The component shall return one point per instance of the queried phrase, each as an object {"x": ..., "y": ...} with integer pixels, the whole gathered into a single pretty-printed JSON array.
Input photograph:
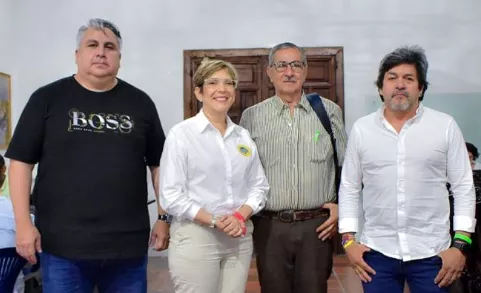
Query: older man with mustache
[
  {"x": 292, "y": 235},
  {"x": 401, "y": 157}
]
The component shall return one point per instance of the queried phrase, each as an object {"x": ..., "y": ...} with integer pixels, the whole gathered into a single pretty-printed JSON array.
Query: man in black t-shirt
[{"x": 93, "y": 137}]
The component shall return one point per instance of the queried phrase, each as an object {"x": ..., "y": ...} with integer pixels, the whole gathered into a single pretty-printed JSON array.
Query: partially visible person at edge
[
  {"x": 401, "y": 158},
  {"x": 292, "y": 235},
  {"x": 4, "y": 186},
  {"x": 473, "y": 156},
  {"x": 93, "y": 136},
  {"x": 212, "y": 182}
]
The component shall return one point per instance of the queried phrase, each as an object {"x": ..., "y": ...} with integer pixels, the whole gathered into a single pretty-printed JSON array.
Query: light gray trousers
[{"x": 206, "y": 260}]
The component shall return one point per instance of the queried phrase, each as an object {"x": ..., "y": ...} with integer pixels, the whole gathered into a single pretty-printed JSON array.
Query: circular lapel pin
[{"x": 244, "y": 150}]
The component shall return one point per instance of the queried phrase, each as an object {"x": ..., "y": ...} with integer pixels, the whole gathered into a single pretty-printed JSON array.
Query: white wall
[
  {"x": 6, "y": 19},
  {"x": 6, "y": 60},
  {"x": 155, "y": 34},
  {"x": 6, "y": 9}
]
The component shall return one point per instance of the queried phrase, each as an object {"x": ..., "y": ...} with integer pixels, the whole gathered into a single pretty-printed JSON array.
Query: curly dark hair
[
  {"x": 413, "y": 55},
  {"x": 473, "y": 150}
]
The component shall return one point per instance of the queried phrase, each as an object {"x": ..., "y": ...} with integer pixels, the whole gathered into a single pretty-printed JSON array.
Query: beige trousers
[{"x": 206, "y": 260}]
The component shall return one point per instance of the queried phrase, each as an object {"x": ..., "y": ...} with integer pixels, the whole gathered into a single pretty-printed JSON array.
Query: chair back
[{"x": 11, "y": 263}]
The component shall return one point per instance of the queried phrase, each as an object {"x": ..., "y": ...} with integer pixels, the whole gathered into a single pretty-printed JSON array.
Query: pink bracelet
[{"x": 243, "y": 221}]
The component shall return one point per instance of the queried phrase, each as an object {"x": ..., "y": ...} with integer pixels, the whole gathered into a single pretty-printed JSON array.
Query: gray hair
[
  {"x": 286, "y": 45},
  {"x": 99, "y": 24},
  {"x": 413, "y": 55}
]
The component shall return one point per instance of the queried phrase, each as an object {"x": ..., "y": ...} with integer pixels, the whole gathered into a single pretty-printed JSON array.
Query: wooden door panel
[
  {"x": 319, "y": 70},
  {"x": 249, "y": 74},
  {"x": 244, "y": 99},
  {"x": 323, "y": 92}
]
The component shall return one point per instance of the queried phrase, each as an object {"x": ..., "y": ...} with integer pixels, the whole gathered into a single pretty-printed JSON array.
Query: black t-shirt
[{"x": 92, "y": 150}]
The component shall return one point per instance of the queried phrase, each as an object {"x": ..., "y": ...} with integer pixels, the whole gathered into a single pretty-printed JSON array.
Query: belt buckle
[{"x": 287, "y": 216}]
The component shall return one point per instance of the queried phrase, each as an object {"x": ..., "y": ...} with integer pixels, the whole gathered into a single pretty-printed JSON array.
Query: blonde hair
[{"x": 208, "y": 67}]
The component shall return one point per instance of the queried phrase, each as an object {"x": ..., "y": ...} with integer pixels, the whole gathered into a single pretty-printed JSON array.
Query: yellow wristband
[{"x": 349, "y": 243}]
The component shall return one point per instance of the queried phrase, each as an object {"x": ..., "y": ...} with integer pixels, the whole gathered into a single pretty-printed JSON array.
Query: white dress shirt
[
  {"x": 201, "y": 169},
  {"x": 405, "y": 199}
]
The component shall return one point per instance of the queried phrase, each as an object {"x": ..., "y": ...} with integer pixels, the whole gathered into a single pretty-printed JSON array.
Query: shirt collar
[
  {"x": 303, "y": 103},
  {"x": 203, "y": 123}
]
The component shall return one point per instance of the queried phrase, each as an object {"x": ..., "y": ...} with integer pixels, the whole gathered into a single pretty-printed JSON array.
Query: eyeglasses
[
  {"x": 215, "y": 82},
  {"x": 296, "y": 66}
]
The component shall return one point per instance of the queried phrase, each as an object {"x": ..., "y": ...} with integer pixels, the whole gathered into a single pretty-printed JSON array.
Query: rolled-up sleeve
[
  {"x": 460, "y": 177},
  {"x": 173, "y": 180},
  {"x": 257, "y": 184},
  {"x": 351, "y": 185}
]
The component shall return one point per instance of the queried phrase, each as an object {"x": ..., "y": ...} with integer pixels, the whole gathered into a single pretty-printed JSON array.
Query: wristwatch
[
  {"x": 166, "y": 218},
  {"x": 212, "y": 222},
  {"x": 463, "y": 246}
]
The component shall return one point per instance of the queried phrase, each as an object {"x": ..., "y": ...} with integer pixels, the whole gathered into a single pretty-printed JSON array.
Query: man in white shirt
[{"x": 400, "y": 159}]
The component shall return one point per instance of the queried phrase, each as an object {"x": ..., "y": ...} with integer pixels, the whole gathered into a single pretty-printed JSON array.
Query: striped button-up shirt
[{"x": 296, "y": 151}]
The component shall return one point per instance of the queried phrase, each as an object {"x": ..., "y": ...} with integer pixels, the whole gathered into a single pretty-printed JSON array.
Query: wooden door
[{"x": 324, "y": 76}]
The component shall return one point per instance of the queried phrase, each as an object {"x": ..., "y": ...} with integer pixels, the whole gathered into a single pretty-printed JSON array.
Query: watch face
[{"x": 166, "y": 218}]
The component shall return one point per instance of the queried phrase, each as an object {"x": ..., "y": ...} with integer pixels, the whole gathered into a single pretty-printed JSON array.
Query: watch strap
[
  {"x": 166, "y": 218},
  {"x": 463, "y": 246}
]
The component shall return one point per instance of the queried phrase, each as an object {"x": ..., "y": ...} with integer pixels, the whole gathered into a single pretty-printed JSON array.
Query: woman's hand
[{"x": 232, "y": 226}]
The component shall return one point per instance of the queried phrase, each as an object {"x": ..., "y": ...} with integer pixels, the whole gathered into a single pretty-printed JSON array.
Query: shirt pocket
[{"x": 320, "y": 150}]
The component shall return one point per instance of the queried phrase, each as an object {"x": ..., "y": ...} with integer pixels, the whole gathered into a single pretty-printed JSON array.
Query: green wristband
[{"x": 463, "y": 237}]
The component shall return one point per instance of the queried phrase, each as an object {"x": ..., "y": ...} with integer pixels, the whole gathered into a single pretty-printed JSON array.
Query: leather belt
[{"x": 294, "y": 215}]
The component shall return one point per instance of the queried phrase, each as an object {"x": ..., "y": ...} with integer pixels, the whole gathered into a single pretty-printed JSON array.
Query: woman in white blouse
[{"x": 212, "y": 182}]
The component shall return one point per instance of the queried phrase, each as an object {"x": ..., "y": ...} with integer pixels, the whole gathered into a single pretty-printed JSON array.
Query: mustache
[
  {"x": 401, "y": 93},
  {"x": 289, "y": 78}
]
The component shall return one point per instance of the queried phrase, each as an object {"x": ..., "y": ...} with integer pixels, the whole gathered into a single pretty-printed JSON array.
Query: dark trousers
[
  {"x": 290, "y": 257},
  {"x": 61, "y": 275},
  {"x": 391, "y": 274}
]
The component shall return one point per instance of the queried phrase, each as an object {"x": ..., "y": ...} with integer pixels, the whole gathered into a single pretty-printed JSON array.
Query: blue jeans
[
  {"x": 391, "y": 274},
  {"x": 61, "y": 275}
]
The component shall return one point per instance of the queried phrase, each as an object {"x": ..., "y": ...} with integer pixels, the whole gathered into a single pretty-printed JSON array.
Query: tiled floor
[{"x": 343, "y": 279}]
